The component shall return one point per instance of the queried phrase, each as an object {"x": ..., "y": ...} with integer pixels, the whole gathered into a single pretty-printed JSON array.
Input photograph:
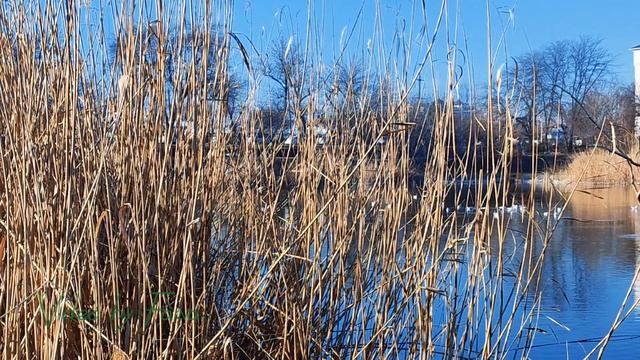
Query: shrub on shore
[{"x": 599, "y": 167}]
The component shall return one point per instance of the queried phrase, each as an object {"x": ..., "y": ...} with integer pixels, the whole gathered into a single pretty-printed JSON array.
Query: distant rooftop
[{"x": 637, "y": 47}]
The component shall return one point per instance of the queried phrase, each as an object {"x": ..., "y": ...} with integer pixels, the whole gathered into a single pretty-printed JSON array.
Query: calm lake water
[{"x": 588, "y": 269}]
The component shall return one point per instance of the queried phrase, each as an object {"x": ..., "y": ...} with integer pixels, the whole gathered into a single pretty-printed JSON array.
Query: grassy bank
[{"x": 599, "y": 167}]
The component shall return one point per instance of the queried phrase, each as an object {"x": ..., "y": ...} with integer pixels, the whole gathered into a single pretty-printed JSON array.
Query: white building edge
[{"x": 636, "y": 66}]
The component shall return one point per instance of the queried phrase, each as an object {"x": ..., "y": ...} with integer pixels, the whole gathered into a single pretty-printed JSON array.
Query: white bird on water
[
  {"x": 515, "y": 208},
  {"x": 557, "y": 213},
  {"x": 635, "y": 208}
]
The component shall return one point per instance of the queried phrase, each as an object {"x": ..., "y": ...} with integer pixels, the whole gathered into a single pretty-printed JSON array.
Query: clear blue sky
[
  {"x": 528, "y": 24},
  {"x": 518, "y": 26}
]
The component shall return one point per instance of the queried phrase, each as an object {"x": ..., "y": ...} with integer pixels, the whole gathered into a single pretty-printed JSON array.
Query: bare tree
[
  {"x": 286, "y": 66},
  {"x": 626, "y": 108},
  {"x": 524, "y": 75},
  {"x": 615, "y": 106},
  {"x": 349, "y": 97},
  {"x": 182, "y": 62},
  {"x": 554, "y": 83},
  {"x": 554, "y": 73},
  {"x": 589, "y": 64}
]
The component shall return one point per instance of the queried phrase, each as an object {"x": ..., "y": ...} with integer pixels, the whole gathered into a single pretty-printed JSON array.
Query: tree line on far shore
[{"x": 567, "y": 87}]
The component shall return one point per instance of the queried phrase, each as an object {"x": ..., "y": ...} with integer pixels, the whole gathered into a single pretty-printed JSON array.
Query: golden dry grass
[{"x": 599, "y": 167}]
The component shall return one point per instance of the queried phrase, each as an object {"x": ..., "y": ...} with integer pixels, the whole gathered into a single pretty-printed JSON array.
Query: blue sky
[
  {"x": 526, "y": 25},
  {"x": 518, "y": 26}
]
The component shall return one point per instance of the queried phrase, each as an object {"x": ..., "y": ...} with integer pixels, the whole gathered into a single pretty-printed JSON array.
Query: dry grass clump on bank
[{"x": 599, "y": 167}]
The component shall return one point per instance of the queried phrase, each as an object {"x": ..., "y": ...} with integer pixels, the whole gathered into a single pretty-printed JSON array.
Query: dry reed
[
  {"x": 134, "y": 224},
  {"x": 598, "y": 167}
]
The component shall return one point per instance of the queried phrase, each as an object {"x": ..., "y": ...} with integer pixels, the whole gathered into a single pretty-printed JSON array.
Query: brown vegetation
[
  {"x": 599, "y": 167},
  {"x": 139, "y": 224}
]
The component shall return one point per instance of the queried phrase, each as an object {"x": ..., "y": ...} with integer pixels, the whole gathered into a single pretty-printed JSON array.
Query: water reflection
[{"x": 589, "y": 265}]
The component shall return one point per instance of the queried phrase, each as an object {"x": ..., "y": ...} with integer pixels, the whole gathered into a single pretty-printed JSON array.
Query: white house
[{"x": 636, "y": 66}]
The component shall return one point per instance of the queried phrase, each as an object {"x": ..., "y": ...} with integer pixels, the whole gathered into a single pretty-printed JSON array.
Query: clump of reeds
[
  {"x": 140, "y": 217},
  {"x": 598, "y": 167}
]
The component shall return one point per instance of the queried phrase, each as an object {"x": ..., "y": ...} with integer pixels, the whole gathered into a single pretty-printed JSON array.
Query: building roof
[{"x": 637, "y": 47}]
